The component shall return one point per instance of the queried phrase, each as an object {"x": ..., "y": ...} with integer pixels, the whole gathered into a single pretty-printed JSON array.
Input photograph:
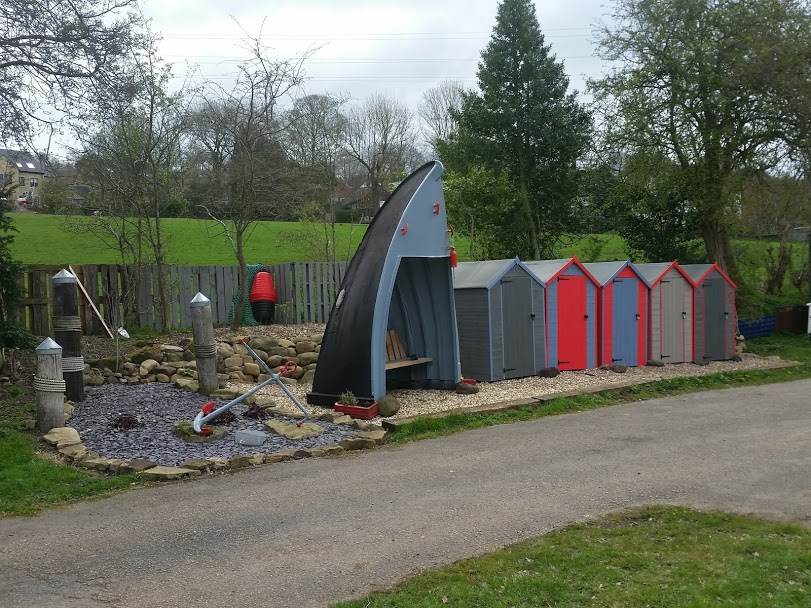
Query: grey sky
[{"x": 398, "y": 48}]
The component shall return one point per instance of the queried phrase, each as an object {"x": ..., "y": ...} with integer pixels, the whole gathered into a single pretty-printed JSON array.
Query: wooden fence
[{"x": 305, "y": 292}]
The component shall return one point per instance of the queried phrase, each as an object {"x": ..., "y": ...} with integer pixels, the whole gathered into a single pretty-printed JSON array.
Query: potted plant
[{"x": 349, "y": 404}]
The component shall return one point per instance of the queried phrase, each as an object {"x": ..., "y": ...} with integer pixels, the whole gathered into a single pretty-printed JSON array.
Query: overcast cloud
[{"x": 398, "y": 48}]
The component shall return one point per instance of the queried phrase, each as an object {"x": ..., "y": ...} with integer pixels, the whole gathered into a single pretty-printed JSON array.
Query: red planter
[{"x": 364, "y": 412}]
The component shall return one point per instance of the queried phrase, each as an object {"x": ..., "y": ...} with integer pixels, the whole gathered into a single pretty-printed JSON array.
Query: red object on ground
[
  {"x": 469, "y": 381},
  {"x": 263, "y": 288},
  {"x": 208, "y": 408},
  {"x": 358, "y": 411},
  {"x": 454, "y": 258}
]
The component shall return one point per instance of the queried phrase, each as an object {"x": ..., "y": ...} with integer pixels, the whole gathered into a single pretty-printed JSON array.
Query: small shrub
[{"x": 348, "y": 398}]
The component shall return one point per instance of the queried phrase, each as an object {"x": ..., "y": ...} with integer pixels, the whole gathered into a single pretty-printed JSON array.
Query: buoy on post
[{"x": 263, "y": 298}]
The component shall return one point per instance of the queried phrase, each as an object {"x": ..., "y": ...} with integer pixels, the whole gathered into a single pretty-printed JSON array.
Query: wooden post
[
  {"x": 205, "y": 349},
  {"x": 68, "y": 332},
  {"x": 50, "y": 386}
]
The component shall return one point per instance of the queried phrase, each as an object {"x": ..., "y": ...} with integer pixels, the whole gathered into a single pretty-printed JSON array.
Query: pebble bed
[{"x": 159, "y": 407}]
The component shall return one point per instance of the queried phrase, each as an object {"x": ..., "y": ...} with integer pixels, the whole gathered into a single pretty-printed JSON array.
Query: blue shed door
[
  {"x": 715, "y": 319},
  {"x": 625, "y": 345}
]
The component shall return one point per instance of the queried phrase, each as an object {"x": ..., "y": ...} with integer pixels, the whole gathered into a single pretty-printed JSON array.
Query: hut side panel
[
  {"x": 539, "y": 326},
  {"x": 552, "y": 323},
  {"x": 497, "y": 335},
  {"x": 700, "y": 323},
  {"x": 472, "y": 317}
]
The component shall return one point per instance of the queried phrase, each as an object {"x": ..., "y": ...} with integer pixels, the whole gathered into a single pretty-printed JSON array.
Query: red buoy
[
  {"x": 263, "y": 297},
  {"x": 454, "y": 258}
]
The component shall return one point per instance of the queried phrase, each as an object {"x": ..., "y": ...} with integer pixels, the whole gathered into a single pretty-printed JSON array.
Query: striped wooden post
[
  {"x": 205, "y": 349},
  {"x": 68, "y": 332},
  {"x": 49, "y": 386}
]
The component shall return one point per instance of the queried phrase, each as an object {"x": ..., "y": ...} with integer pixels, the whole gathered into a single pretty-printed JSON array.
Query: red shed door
[{"x": 572, "y": 320}]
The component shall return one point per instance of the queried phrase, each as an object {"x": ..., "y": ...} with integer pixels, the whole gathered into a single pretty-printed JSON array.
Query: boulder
[
  {"x": 185, "y": 431},
  {"x": 737, "y": 358},
  {"x": 252, "y": 369},
  {"x": 388, "y": 406},
  {"x": 197, "y": 464},
  {"x": 147, "y": 367},
  {"x": 291, "y": 431},
  {"x": 62, "y": 436},
  {"x": 307, "y": 358},
  {"x": 655, "y": 363},
  {"x": 274, "y": 360},
  {"x": 317, "y": 338},
  {"x": 137, "y": 465},
  {"x": 618, "y": 369},
  {"x": 263, "y": 343},
  {"x": 173, "y": 357},
  {"x": 235, "y": 361},
  {"x": 701, "y": 362},
  {"x": 305, "y": 346},
  {"x": 162, "y": 378},
  {"x": 548, "y": 372},
  {"x": 308, "y": 377},
  {"x": 75, "y": 452},
  {"x": 378, "y": 436},
  {"x": 286, "y": 343},
  {"x": 278, "y": 350},
  {"x": 226, "y": 394},
  {"x": 161, "y": 472},
  {"x": 358, "y": 443},
  {"x": 242, "y": 461},
  {"x": 225, "y": 350},
  {"x": 169, "y": 348},
  {"x": 147, "y": 352},
  {"x": 463, "y": 388},
  {"x": 188, "y": 384}
]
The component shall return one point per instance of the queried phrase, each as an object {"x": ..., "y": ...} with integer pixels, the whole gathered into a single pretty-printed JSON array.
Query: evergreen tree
[{"x": 522, "y": 122}]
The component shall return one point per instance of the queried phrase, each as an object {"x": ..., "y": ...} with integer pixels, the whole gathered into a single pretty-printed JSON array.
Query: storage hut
[
  {"x": 623, "y": 313},
  {"x": 500, "y": 318},
  {"x": 671, "y": 312},
  {"x": 714, "y": 313},
  {"x": 393, "y": 322},
  {"x": 571, "y": 313}
]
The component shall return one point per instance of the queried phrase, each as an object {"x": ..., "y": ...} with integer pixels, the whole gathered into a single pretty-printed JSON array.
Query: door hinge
[
  {"x": 532, "y": 315},
  {"x": 508, "y": 369},
  {"x": 616, "y": 359}
]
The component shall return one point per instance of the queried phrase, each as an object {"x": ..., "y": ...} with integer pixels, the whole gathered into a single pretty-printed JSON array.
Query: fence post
[
  {"x": 68, "y": 332},
  {"x": 50, "y": 386},
  {"x": 205, "y": 349}
]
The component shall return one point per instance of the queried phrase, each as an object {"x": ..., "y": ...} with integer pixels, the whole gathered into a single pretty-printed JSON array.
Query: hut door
[
  {"x": 714, "y": 322},
  {"x": 625, "y": 325},
  {"x": 572, "y": 321},
  {"x": 519, "y": 353},
  {"x": 673, "y": 321}
]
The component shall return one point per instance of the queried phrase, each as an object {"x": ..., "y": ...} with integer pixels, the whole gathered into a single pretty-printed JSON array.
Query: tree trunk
[
  {"x": 243, "y": 280},
  {"x": 719, "y": 246}
]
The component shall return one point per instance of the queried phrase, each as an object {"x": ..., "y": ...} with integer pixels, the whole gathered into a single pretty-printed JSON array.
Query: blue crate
[{"x": 757, "y": 328}]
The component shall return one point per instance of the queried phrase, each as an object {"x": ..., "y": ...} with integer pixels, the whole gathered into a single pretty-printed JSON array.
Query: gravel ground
[{"x": 159, "y": 407}]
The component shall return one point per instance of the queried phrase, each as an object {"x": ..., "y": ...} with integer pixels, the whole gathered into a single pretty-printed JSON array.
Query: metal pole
[
  {"x": 68, "y": 332},
  {"x": 205, "y": 349},
  {"x": 49, "y": 386}
]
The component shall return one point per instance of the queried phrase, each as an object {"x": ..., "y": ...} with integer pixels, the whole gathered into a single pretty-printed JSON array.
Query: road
[{"x": 312, "y": 532}]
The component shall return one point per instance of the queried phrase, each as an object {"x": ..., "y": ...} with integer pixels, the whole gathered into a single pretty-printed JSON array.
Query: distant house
[{"x": 25, "y": 172}]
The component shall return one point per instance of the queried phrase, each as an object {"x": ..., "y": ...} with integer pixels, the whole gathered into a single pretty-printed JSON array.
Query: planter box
[
  {"x": 791, "y": 319},
  {"x": 364, "y": 412}
]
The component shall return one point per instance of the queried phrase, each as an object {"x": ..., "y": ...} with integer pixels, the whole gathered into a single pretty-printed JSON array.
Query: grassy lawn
[
  {"x": 29, "y": 480},
  {"x": 654, "y": 556},
  {"x": 787, "y": 346}
]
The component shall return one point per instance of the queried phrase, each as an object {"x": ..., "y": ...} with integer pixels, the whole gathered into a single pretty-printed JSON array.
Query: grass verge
[
  {"x": 653, "y": 556},
  {"x": 790, "y": 347}
]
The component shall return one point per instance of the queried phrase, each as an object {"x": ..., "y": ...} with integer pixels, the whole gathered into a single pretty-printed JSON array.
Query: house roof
[
  {"x": 483, "y": 275},
  {"x": 697, "y": 272},
  {"x": 23, "y": 160},
  {"x": 605, "y": 272},
  {"x": 656, "y": 270}
]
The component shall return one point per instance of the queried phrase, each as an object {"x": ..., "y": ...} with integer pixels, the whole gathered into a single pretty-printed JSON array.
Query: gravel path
[{"x": 159, "y": 407}]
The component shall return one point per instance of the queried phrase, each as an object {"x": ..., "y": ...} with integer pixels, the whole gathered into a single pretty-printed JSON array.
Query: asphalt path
[{"x": 312, "y": 532}]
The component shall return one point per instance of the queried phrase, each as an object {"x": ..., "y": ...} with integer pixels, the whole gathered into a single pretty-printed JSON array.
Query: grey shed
[
  {"x": 715, "y": 323},
  {"x": 500, "y": 312}
]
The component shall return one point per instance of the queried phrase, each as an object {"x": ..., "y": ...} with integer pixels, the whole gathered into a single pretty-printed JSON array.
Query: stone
[
  {"x": 130, "y": 368},
  {"x": 74, "y": 453},
  {"x": 238, "y": 375},
  {"x": 225, "y": 350},
  {"x": 95, "y": 464},
  {"x": 308, "y": 377},
  {"x": 115, "y": 465},
  {"x": 162, "y": 378},
  {"x": 343, "y": 419},
  {"x": 285, "y": 410},
  {"x": 161, "y": 472},
  {"x": 737, "y": 358},
  {"x": 169, "y": 348},
  {"x": 94, "y": 379},
  {"x": 250, "y": 437},
  {"x": 136, "y": 465},
  {"x": 185, "y": 342},
  {"x": 700, "y": 362},
  {"x": 306, "y": 358},
  {"x": 261, "y": 354},
  {"x": 252, "y": 369},
  {"x": 277, "y": 457},
  {"x": 147, "y": 367},
  {"x": 618, "y": 369},
  {"x": 655, "y": 363},
  {"x": 378, "y": 436},
  {"x": 67, "y": 409},
  {"x": 317, "y": 338},
  {"x": 286, "y": 343},
  {"x": 327, "y": 450},
  {"x": 242, "y": 461},
  {"x": 291, "y": 351},
  {"x": 305, "y": 346},
  {"x": 363, "y": 425},
  {"x": 197, "y": 464},
  {"x": 295, "y": 454},
  {"x": 62, "y": 436},
  {"x": 188, "y": 384},
  {"x": 548, "y": 372},
  {"x": 292, "y": 431},
  {"x": 288, "y": 381},
  {"x": 298, "y": 373},
  {"x": 388, "y": 405},
  {"x": 226, "y": 394},
  {"x": 274, "y": 360},
  {"x": 167, "y": 370},
  {"x": 185, "y": 430},
  {"x": 173, "y": 357},
  {"x": 278, "y": 350},
  {"x": 357, "y": 443},
  {"x": 326, "y": 415},
  {"x": 235, "y": 361},
  {"x": 264, "y": 402},
  {"x": 463, "y": 388},
  {"x": 263, "y": 343},
  {"x": 147, "y": 352},
  {"x": 262, "y": 378},
  {"x": 188, "y": 355}
]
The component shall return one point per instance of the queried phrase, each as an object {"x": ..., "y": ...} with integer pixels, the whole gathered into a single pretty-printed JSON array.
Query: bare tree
[
  {"x": 53, "y": 52},
  {"x": 244, "y": 130},
  {"x": 436, "y": 111},
  {"x": 381, "y": 139}
]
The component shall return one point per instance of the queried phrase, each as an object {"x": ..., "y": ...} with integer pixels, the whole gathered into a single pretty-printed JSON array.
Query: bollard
[
  {"x": 68, "y": 332},
  {"x": 205, "y": 349},
  {"x": 50, "y": 386}
]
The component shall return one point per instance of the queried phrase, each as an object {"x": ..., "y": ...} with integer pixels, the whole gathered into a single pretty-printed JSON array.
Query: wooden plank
[
  {"x": 218, "y": 291},
  {"x": 185, "y": 278},
  {"x": 230, "y": 281},
  {"x": 281, "y": 276},
  {"x": 174, "y": 296},
  {"x": 407, "y": 363},
  {"x": 89, "y": 299},
  {"x": 317, "y": 294},
  {"x": 296, "y": 280},
  {"x": 145, "y": 318},
  {"x": 39, "y": 306}
]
